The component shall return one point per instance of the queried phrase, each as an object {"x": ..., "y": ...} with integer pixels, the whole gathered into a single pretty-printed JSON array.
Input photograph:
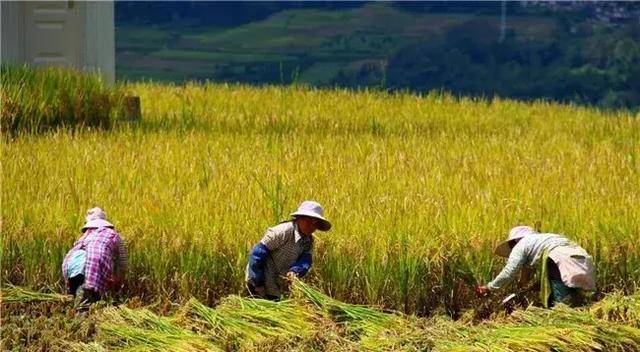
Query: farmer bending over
[
  {"x": 569, "y": 267},
  {"x": 285, "y": 250},
  {"x": 97, "y": 260}
]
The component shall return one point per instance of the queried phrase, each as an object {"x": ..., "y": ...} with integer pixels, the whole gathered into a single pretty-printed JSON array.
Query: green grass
[
  {"x": 141, "y": 38},
  {"x": 219, "y": 56},
  {"x": 304, "y": 37},
  {"x": 320, "y": 73},
  {"x": 36, "y": 100}
]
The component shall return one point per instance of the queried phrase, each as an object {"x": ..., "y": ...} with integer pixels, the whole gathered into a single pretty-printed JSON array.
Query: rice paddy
[{"x": 419, "y": 189}]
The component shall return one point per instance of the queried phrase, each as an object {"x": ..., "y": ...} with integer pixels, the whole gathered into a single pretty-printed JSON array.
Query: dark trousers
[
  {"x": 76, "y": 288},
  {"x": 75, "y": 283},
  {"x": 559, "y": 291},
  {"x": 252, "y": 291}
]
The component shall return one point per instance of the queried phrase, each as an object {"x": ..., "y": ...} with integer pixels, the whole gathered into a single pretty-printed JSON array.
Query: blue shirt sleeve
[
  {"x": 258, "y": 256},
  {"x": 302, "y": 265}
]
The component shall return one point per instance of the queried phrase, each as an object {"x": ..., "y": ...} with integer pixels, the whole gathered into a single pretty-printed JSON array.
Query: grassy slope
[
  {"x": 329, "y": 39},
  {"x": 419, "y": 189}
]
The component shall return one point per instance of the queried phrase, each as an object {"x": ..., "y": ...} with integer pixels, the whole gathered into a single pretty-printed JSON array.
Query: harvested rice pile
[
  {"x": 311, "y": 320},
  {"x": 11, "y": 294}
]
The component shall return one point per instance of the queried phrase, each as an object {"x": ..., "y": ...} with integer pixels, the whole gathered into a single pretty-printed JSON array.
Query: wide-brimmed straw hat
[
  {"x": 95, "y": 218},
  {"x": 314, "y": 210},
  {"x": 503, "y": 249}
]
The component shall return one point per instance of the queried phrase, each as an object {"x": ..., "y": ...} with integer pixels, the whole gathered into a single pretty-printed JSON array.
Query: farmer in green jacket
[{"x": 569, "y": 268}]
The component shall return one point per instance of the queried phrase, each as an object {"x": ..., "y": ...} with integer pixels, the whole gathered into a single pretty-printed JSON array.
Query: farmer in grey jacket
[
  {"x": 284, "y": 251},
  {"x": 569, "y": 267}
]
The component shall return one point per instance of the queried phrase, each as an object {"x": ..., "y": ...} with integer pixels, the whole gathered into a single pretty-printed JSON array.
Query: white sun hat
[
  {"x": 313, "y": 210},
  {"x": 516, "y": 233},
  {"x": 95, "y": 218}
]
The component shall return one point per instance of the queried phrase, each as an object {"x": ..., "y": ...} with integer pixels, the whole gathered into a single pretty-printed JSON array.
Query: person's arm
[
  {"x": 510, "y": 271},
  {"x": 65, "y": 266},
  {"x": 271, "y": 241},
  {"x": 122, "y": 258},
  {"x": 257, "y": 259},
  {"x": 302, "y": 265}
]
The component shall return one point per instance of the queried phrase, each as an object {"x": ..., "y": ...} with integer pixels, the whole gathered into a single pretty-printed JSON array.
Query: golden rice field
[{"x": 419, "y": 188}]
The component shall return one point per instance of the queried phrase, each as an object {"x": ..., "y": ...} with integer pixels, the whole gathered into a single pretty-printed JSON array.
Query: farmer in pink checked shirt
[{"x": 98, "y": 260}]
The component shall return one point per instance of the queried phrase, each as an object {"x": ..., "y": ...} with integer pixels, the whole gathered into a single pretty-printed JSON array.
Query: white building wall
[
  {"x": 62, "y": 33},
  {"x": 54, "y": 32},
  {"x": 12, "y": 32}
]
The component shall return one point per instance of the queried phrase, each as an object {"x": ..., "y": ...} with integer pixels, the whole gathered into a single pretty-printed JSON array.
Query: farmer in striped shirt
[
  {"x": 569, "y": 268},
  {"x": 284, "y": 251},
  {"x": 98, "y": 260}
]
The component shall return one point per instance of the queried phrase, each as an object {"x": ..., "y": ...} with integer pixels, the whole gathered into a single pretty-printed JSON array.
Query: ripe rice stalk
[
  {"x": 141, "y": 329},
  {"x": 253, "y": 319},
  {"x": 341, "y": 310},
  {"x": 417, "y": 209},
  {"x": 130, "y": 338},
  {"x": 141, "y": 317},
  {"x": 11, "y": 293},
  {"x": 362, "y": 321},
  {"x": 617, "y": 307},
  {"x": 39, "y": 99},
  {"x": 246, "y": 324},
  {"x": 518, "y": 338},
  {"x": 613, "y": 336},
  {"x": 538, "y": 329},
  {"x": 275, "y": 196},
  {"x": 86, "y": 347}
]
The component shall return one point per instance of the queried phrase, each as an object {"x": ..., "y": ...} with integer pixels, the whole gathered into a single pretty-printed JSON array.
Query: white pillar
[
  {"x": 100, "y": 39},
  {"x": 12, "y": 32}
]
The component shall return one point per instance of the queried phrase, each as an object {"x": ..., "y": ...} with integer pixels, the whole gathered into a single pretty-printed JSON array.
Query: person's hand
[
  {"x": 114, "y": 283},
  {"x": 291, "y": 276},
  {"x": 482, "y": 290}
]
